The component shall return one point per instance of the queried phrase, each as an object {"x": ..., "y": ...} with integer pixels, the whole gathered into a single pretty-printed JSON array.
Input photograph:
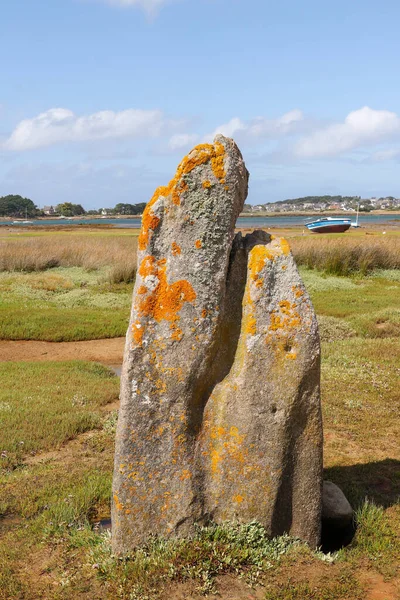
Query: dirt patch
[
  {"x": 379, "y": 589},
  {"x": 228, "y": 586},
  {"x": 106, "y": 351}
]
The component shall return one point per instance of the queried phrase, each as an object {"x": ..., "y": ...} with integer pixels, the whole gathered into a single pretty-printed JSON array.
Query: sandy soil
[{"x": 108, "y": 351}]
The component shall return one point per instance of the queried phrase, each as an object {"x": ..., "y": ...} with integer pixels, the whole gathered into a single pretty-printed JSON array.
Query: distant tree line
[{"x": 16, "y": 206}]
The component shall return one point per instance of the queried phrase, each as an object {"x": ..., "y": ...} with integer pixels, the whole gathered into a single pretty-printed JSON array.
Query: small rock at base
[{"x": 335, "y": 506}]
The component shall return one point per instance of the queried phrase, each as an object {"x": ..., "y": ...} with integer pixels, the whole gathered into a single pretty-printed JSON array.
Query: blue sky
[{"x": 100, "y": 99}]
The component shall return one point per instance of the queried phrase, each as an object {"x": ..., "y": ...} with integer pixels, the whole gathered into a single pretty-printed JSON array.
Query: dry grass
[
  {"x": 46, "y": 252},
  {"x": 335, "y": 254},
  {"x": 345, "y": 255}
]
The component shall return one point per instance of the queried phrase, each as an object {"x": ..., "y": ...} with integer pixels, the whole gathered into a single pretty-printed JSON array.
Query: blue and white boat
[{"x": 329, "y": 225}]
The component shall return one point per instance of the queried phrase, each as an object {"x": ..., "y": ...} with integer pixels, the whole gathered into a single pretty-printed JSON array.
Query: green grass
[
  {"x": 42, "y": 405},
  {"x": 361, "y": 398},
  {"x": 366, "y": 306},
  {"x": 55, "y": 485},
  {"x": 63, "y": 304}
]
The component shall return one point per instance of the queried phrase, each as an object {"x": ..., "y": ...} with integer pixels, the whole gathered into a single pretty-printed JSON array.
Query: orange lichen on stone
[
  {"x": 166, "y": 300},
  {"x": 251, "y": 325},
  {"x": 206, "y": 184},
  {"x": 176, "y": 250},
  {"x": 177, "y": 333},
  {"x": 204, "y": 313},
  {"x": 185, "y": 475},
  {"x": 118, "y": 504},
  {"x": 137, "y": 333},
  {"x": 150, "y": 222},
  {"x": 198, "y": 244},
  {"x": 178, "y": 186},
  {"x": 239, "y": 499},
  {"x": 297, "y": 292},
  {"x": 285, "y": 246},
  {"x": 257, "y": 259},
  {"x": 217, "y": 162},
  {"x": 290, "y": 318},
  {"x": 142, "y": 289}
]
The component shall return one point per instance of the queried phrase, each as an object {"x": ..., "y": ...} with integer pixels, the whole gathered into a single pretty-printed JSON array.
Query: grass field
[{"x": 57, "y": 428}]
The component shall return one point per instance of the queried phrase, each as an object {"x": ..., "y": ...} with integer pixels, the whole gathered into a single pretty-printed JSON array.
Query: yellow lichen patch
[
  {"x": 177, "y": 333},
  {"x": 204, "y": 313},
  {"x": 150, "y": 222},
  {"x": 288, "y": 319},
  {"x": 217, "y": 162},
  {"x": 198, "y": 244},
  {"x": 161, "y": 386},
  {"x": 285, "y": 246},
  {"x": 166, "y": 300},
  {"x": 206, "y": 184},
  {"x": 178, "y": 186},
  {"x": 239, "y": 499},
  {"x": 142, "y": 290},
  {"x": 225, "y": 445},
  {"x": 251, "y": 325},
  {"x": 285, "y": 307},
  {"x": 215, "y": 460},
  {"x": 297, "y": 292},
  {"x": 137, "y": 333},
  {"x": 176, "y": 250},
  {"x": 118, "y": 504},
  {"x": 185, "y": 475}
]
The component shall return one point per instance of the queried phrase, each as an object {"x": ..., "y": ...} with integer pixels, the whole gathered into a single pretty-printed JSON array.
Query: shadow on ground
[{"x": 378, "y": 481}]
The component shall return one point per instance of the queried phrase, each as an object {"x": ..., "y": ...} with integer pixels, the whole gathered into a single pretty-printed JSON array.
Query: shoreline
[{"x": 243, "y": 215}]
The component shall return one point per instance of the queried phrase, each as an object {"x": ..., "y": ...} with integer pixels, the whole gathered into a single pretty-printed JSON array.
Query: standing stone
[
  {"x": 184, "y": 246},
  {"x": 220, "y": 412},
  {"x": 261, "y": 440}
]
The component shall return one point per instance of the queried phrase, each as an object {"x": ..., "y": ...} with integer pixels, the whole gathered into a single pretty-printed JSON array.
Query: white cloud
[
  {"x": 182, "y": 140},
  {"x": 360, "y": 128},
  {"x": 260, "y": 127},
  {"x": 62, "y": 125}
]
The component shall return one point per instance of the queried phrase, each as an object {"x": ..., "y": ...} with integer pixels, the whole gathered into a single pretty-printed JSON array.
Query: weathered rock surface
[
  {"x": 336, "y": 509},
  {"x": 261, "y": 439},
  {"x": 220, "y": 413}
]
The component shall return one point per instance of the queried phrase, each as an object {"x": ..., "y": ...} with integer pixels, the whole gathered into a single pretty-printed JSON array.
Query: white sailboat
[{"x": 355, "y": 223}]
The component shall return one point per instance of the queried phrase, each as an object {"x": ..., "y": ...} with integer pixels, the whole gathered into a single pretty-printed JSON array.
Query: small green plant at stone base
[
  {"x": 213, "y": 550},
  {"x": 375, "y": 537}
]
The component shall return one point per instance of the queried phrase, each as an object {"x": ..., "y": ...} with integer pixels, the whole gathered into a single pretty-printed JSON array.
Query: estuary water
[{"x": 250, "y": 222}]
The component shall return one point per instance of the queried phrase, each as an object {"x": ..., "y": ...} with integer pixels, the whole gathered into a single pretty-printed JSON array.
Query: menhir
[{"x": 220, "y": 412}]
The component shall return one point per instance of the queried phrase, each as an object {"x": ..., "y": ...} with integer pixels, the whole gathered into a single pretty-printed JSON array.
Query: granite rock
[{"x": 220, "y": 413}]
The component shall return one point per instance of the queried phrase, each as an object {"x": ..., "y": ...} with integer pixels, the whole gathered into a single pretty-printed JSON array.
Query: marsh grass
[
  {"x": 59, "y": 497},
  {"x": 42, "y": 405},
  {"x": 44, "y": 252},
  {"x": 63, "y": 304},
  {"x": 341, "y": 255},
  {"x": 365, "y": 306},
  {"x": 49, "y": 547}
]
